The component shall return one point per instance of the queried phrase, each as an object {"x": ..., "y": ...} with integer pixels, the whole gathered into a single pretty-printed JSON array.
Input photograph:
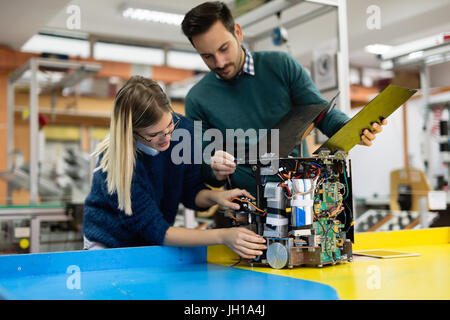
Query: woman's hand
[
  {"x": 224, "y": 198},
  {"x": 244, "y": 242}
]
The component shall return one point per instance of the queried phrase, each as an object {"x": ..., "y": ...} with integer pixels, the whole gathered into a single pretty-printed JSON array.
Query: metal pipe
[
  {"x": 10, "y": 126},
  {"x": 34, "y": 131},
  {"x": 425, "y": 89},
  {"x": 343, "y": 58}
]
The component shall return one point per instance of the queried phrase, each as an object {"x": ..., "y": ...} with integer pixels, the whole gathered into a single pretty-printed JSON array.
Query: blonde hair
[{"x": 140, "y": 103}]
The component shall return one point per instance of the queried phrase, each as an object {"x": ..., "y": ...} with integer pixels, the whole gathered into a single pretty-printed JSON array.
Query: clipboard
[
  {"x": 384, "y": 254},
  {"x": 382, "y": 106}
]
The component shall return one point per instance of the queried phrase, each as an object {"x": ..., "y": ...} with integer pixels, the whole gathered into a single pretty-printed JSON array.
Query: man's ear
[{"x": 238, "y": 32}]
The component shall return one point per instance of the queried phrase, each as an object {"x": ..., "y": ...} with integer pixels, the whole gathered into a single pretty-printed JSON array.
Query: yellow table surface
[{"x": 422, "y": 277}]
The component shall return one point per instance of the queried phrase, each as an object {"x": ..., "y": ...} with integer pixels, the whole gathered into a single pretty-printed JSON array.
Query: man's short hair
[{"x": 199, "y": 19}]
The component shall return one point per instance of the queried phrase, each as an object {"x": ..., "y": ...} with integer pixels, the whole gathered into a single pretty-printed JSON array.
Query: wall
[
  {"x": 371, "y": 166},
  {"x": 440, "y": 75}
]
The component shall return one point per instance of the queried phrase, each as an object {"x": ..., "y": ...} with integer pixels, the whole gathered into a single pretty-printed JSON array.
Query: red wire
[
  {"x": 237, "y": 219},
  {"x": 251, "y": 205}
]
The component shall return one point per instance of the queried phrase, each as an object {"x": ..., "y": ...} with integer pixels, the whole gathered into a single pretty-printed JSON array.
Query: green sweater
[{"x": 257, "y": 102}]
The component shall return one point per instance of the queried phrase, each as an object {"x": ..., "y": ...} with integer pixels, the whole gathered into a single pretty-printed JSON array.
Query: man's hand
[
  {"x": 224, "y": 198},
  {"x": 222, "y": 164},
  {"x": 368, "y": 136}
]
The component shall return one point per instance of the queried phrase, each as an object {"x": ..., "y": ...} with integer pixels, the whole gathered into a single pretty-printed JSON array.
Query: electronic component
[{"x": 303, "y": 210}]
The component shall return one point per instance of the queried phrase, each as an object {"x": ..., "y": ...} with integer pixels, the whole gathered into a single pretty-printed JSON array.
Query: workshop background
[{"x": 54, "y": 112}]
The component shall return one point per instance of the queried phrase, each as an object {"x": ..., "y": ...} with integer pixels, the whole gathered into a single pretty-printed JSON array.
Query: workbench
[
  {"x": 205, "y": 273},
  {"x": 36, "y": 214}
]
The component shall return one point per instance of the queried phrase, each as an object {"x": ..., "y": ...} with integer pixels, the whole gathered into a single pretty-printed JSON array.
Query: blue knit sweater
[{"x": 158, "y": 186}]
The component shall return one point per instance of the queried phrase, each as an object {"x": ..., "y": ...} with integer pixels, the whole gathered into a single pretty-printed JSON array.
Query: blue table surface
[{"x": 160, "y": 273}]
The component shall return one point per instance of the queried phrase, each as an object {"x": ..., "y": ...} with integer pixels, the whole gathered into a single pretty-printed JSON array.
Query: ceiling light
[
  {"x": 387, "y": 65},
  {"x": 417, "y": 46},
  {"x": 44, "y": 43},
  {"x": 128, "y": 53},
  {"x": 152, "y": 16},
  {"x": 435, "y": 59},
  {"x": 415, "y": 55},
  {"x": 185, "y": 60},
  {"x": 377, "y": 48}
]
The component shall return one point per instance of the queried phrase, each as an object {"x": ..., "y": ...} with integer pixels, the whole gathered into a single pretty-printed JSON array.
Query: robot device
[{"x": 303, "y": 210}]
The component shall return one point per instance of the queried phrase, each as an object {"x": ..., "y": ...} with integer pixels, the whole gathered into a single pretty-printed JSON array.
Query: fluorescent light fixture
[
  {"x": 387, "y": 65},
  {"x": 152, "y": 16},
  {"x": 377, "y": 48},
  {"x": 415, "y": 55},
  {"x": 428, "y": 51},
  {"x": 46, "y": 77},
  {"x": 417, "y": 45},
  {"x": 58, "y": 45},
  {"x": 127, "y": 53},
  {"x": 73, "y": 34},
  {"x": 435, "y": 59},
  {"x": 186, "y": 60}
]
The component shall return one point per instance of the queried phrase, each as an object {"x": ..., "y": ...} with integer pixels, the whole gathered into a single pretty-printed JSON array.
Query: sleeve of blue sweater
[{"x": 147, "y": 219}]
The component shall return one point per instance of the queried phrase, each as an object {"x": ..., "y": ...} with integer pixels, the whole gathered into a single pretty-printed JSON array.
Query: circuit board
[{"x": 304, "y": 212}]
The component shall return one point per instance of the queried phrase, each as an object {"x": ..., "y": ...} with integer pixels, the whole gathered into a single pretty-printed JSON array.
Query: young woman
[{"x": 137, "y": 188}]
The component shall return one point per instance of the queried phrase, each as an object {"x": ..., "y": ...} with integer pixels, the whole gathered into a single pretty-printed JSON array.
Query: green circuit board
[{"x": 329, "y": 232}]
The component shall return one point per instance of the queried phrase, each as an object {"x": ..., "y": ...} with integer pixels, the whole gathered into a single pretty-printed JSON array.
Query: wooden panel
[
  {"x": 413, "y": 177},
  {"x": 21, "y": 197},
  {"x": 84, "y": 103},
  {"x": 99, "y": 133},
  {"x": 112, "y": 68},
  {"x": 63, "y": 133},
  {"x": 360, "y": 96},
  {"x": 11, "y": 59},
  {"x": 7, "y": 58},
  {"x": 178, "y": 107},
  {"x": 85, "y": 138}
]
